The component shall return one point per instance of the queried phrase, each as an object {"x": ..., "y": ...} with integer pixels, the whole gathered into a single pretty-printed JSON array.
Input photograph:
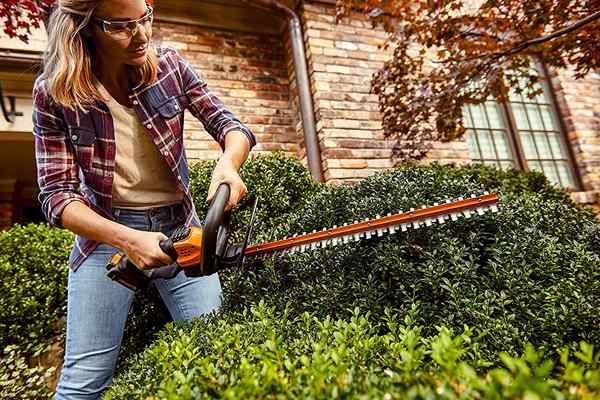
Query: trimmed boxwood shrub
[
  {"x": 530, "y": 273},
  {"x": 33, "y": 282},
  {"x": 19, "y": 380},
  {"x": 281, "y": 182},
  {"x": 261, "y": 353},
  {"x": 33, "y": 270}
]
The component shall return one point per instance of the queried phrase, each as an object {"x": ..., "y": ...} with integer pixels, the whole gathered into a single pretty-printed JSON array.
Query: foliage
[
  {"x": 19, "y": 381},
  {"x": 33, "y": 282},
  {"x": 527, "y": 274},
  {"x": 260, "y": 353},
  {"x": 280, "y": 182},
  {"x": 455, "y": 52},
  {"x": 19, "y": 16}
]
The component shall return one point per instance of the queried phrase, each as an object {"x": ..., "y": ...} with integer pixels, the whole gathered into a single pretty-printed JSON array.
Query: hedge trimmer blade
[{"x": 379, "y": 226}]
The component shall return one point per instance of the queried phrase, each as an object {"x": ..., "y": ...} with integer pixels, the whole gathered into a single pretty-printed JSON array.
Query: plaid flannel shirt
[{"x": 75, "y": 150}]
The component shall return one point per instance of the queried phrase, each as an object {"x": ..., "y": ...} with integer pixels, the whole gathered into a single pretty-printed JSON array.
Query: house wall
[
  {"x": 254, "y": 75},
  {"x": 342, "y": 58},
  {"x": 248, "y": 72}
]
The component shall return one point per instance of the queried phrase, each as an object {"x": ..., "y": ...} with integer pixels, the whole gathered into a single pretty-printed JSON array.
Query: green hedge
[
  {"x": 33, "y": 282},
  {"x": 264, "y": 354},
  {"x": 530, "y": 273},
  {"x": 281, "y": 183},
  {"x": 18, "y": 379},
  {"x": 33, "y": 271},
  {"x": 527, "y": 274}
]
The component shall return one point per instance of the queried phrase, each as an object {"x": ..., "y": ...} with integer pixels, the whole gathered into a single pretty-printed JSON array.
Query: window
[
  {"x": 524, "y": 133},
  {"x": 487, "y": 135}
]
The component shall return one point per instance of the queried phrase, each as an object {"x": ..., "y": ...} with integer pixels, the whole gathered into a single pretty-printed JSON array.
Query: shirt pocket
[
  {"x": 83, "y": 140},
  {"x": 171, "y": 113},
  {"x": 170, "y": 108},
  {"x": 166, "y": 106}
]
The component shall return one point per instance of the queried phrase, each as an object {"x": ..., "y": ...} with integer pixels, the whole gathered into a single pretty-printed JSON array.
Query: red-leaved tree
[
  {"x": 20, "y": 16},
  {"x": 448, "y": 53}
]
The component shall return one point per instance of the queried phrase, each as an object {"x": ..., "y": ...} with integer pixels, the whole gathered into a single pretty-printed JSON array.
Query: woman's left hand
[{"x": 225, "y": 171}]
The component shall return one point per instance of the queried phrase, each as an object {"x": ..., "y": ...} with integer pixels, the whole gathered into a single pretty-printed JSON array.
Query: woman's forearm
[
  {"x": 83, "y": 221},
  {"x": 237, "y": 149}
]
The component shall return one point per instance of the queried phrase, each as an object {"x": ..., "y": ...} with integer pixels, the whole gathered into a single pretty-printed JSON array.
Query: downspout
[{"x": 311, "y": 140}]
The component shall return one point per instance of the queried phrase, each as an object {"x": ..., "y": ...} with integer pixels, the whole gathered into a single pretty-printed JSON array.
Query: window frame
[{"x": 514, "y": 138}]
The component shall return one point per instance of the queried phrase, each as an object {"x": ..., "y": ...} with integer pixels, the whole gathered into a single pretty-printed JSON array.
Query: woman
[{"x": 108, "y": 119}]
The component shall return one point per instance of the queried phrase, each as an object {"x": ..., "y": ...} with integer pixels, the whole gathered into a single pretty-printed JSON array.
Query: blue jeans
[{"x": 97, "y": 307}]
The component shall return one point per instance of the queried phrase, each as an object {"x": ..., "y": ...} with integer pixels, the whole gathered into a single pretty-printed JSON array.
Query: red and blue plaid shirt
[{"x": 75, "y": 150}]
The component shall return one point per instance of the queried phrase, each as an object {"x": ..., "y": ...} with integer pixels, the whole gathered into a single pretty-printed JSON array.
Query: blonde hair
[{"x": 67, "y": 64}]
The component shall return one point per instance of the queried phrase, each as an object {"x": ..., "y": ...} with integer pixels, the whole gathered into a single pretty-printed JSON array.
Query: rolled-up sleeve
[
  {"x": 208, "y": 109},
  {"x": 57, "y": 170}
]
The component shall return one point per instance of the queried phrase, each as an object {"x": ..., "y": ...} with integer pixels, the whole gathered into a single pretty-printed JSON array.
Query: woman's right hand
[{"x": 143, "y": 249}]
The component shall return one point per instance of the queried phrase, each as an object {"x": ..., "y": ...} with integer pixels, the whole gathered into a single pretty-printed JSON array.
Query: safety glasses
[{"x": 123, "y": 30}]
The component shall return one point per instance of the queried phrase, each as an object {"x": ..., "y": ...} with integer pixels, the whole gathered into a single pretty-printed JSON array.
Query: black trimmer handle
[
  {"x": 166, "y": 245},
  {"x": 215, "y": 233}
]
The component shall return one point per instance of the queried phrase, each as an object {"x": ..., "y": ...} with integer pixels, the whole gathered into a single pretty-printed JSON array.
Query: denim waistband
[{"x": 170, "y": 212}]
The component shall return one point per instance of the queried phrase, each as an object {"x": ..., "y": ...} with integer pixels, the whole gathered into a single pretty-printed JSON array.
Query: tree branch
[{"x": 542, "y": 39}]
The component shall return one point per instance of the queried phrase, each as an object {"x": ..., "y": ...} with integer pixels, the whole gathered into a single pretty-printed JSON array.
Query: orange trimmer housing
[
  {"x": 198, "y": 251},
  {"x": 188, "y": 247}
]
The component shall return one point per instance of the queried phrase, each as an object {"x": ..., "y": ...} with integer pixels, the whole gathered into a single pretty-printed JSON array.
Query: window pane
[
  {"x": 493, "y": 113},
  {"x": 478, "y": 116},
  {"x": 548, "y": 118},
  {"x": 543, "y": 147},
  {"x": 520, "y": 116},
  {"x": 534, "y": 117},
  {"x": 502, "y": 146},
  {"x": 555, "y": 145},
  {"x": 564, "y": 172},
  {"x": 485, "y": 144},
  {"x": 550, "y": 171},
  {"x": 473, "y": 148},
  {"x": 528, "y": 145},
  {"x": 534, "y": 166}
]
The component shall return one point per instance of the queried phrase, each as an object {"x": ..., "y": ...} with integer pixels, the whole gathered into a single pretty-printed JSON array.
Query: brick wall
[
  {"x": 579, "y": 104},
  {"x": 5, "y": 215},
  {"x": 248, "y": 72},
  {"x": 342, "y": 60},
  {"x": 254, "y": 75}
]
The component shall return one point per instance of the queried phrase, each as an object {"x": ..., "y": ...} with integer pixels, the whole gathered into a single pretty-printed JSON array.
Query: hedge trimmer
[{"x": 200, "y": 251}]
